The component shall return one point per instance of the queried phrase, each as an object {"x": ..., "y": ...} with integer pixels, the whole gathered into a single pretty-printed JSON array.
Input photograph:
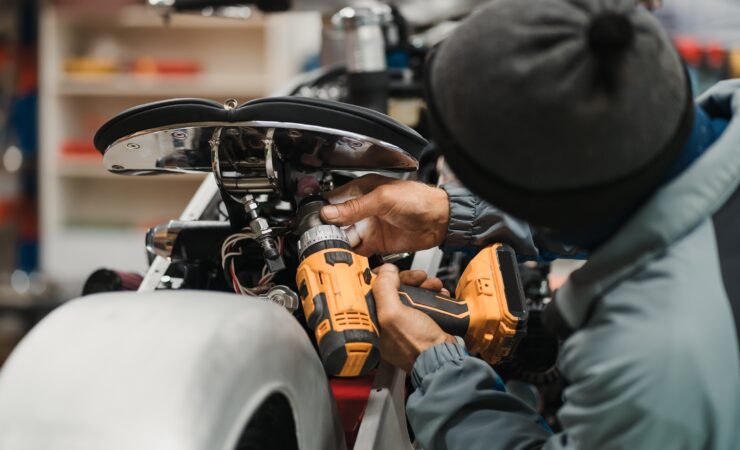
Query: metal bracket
[
  {"x": 384, "y": 422},
  {"x": 194, "y": 211}
]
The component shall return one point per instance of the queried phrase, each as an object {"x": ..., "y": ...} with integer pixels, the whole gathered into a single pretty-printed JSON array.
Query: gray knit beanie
[{"x": 566, "y": 113}]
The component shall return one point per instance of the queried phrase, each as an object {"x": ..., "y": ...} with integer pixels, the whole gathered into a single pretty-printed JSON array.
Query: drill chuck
[
  {"x": 312, "y": 240},
  {"x": 314, "y": 234}
]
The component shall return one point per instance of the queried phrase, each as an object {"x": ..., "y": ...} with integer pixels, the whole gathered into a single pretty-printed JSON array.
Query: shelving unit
[
  {"x": 142, "y": 86},
  {"x": 8, "y": 182},
  {"x": 91, "y": 218}
]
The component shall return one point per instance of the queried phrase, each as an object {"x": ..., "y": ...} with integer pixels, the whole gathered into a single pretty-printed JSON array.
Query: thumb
[
  {"x": 352, "y": 211},
  {"x": 385, "y": 292}
]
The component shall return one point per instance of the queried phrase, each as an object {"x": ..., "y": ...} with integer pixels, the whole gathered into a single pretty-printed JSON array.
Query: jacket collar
[{"x": 674, "y": 210}]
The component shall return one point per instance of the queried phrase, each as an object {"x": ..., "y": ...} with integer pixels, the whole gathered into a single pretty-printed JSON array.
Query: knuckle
[
  {"x": 353, "y": 206},
  {"x": 384, "y": 193}
]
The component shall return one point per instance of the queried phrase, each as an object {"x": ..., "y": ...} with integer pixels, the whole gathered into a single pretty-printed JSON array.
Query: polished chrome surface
[
  {"x": 364, "y": 42},
  {"x": 248, "y": 185},
  {"x": 160, "y": 240},
  {"x": 244, "y": 148},
  {"x": 360, "y": 14}
]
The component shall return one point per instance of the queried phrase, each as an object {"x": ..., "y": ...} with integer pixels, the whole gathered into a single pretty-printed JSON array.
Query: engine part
[
  {"x": 284, "y": 296},
  {"x": 264, "y": 236},
  {"x": 363, "y": 27},
  {"x": 187, "y": 240},
  {"x": 106, "y": 280}
]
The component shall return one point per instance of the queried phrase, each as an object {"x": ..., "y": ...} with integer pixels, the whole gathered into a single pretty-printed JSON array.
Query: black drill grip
[{"x": 451, "y": 315}]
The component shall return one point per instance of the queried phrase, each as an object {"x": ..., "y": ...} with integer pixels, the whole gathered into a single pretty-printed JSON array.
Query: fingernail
[{"x": 330, "y": 212}]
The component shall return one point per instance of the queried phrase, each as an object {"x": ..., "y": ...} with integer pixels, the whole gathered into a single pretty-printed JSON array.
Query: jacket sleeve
[
  {"x": 475, "y": 223},
  {"x": 629, "y": 386},
  {"x": 457, "y": 405},
  {"x": 721, "y": 100}
]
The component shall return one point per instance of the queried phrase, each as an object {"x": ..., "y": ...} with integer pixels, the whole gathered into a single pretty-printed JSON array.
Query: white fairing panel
[{"x": 163, "y": 370}]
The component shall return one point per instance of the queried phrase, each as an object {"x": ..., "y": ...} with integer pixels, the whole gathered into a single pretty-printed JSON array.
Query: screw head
[{"x": 351, "y": 142}]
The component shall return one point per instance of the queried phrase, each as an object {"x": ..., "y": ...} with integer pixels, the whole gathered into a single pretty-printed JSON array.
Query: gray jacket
[{"x": 652, "y": 355}]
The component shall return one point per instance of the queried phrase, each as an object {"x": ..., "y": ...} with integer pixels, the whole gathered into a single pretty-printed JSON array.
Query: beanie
[{"x": 565, "y": 113}]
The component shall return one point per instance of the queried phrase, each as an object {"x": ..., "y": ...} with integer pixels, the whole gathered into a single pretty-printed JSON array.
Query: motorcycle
[{"x": 212, "y": 351}]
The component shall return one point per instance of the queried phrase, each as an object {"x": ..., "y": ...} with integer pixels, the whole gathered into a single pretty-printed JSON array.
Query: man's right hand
[{"x": 386, "y": 215}]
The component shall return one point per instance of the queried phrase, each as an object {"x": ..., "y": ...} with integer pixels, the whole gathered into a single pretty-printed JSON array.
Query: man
[{"x": 576, "y": 116}]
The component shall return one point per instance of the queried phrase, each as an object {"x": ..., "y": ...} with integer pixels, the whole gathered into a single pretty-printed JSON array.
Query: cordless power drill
[{"x": 335, "y": 287}]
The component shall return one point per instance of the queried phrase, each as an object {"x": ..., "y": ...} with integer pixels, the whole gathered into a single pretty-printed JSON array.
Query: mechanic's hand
[
  {"x": 404, "y": 332},
  {"x": 388, "y": 215},
  {"x": 419, "y": 278}
]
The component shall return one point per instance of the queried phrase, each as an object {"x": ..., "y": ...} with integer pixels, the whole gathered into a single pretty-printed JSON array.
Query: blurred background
[{"x": 66, "y": 66}]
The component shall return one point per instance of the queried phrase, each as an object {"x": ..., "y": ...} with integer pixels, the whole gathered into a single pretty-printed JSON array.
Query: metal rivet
[
  {"x": 117, "y": 167},
  {"x": 294, "y": 133},
  {"x": 133, "y": 146},
  {"x": 179, "y": 134},
  {"x": 231, "y": 103}
]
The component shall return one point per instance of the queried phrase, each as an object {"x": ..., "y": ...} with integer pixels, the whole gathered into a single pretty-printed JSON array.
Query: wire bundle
[{"x": 230, "y": 250}]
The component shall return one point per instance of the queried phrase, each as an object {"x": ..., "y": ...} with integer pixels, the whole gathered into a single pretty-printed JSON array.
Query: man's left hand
[{"x": 404, "y": 332}]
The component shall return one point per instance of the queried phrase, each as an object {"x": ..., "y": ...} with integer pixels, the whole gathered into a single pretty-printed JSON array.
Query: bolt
[{"x": 259, "y": 225}]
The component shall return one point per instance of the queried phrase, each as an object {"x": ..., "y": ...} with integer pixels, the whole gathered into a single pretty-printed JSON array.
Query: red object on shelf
[
  {"x": 689, "y": 49},
  {"x": 7, "y": 210},
  {"x": 351, "y": 395},
  {"x": 79, "y": 147},
  {"x": 29, "y": 74},
  {"x": 716, "y": 55},
  {"x": 28, "y": 219},
  {"x": 160, "y": 66},
  {"x": 177, "y": 67}
]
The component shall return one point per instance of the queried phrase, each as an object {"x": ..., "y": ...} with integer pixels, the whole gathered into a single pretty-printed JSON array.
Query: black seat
[{"x": 321, "y": 113}]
